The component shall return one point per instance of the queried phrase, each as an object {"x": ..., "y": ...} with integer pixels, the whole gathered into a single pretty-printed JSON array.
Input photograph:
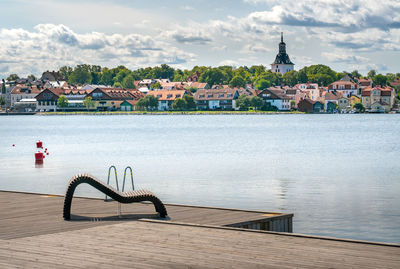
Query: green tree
[
  {"x": 149, "y": 102},
  {"x": 243, "y": 102},
  {"x": 356, "y": 74},
  {"x": 80, "y": 75},
  {"x": 379, "y": 80},
  {"x": 12, "y": 77},
  {"x": 31, "y": 76},
  {"x": 119, "y": 77},
  {"x": 213, "y": 76},
  {"x": 2, "y": 101},
  {"x": 88, "y": 102},
  {"x": 290, "y": 78},
  {"x": 192, "y": 89},
  {"x": 359, "y": 107},
  {"x": 156, "y": 85},
  {"x": 237, "y": 81},
  {"x": 128, "y": 82},
  {"x": 256, "y": 102},
  {"x": 62, "y": 102},
  {"x": 179, "y": 104},
  {"x": 66, "y": 71},
  {"x": 190, "y": 103},
  {"x": 117, "y": 85},
  {"x": 292, "y": 104},
  {"x": 371, "y": 73},
  {"x": 106, "y": 77},
  {"x": 263, "y": 84}
]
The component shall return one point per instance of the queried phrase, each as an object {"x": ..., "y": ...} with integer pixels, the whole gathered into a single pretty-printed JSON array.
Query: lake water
[{"x": 339, "y": 174}]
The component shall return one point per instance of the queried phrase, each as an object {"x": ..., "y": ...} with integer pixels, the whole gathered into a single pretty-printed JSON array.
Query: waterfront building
[
  {"x": 276, "y": 97},
  {"x": 348, "y": 88},
  {"x": 47, "y": 99},
  {"x": 107, "y": 99},
  {"x": 312, "y": 89},
  {"x": 331, "y": 100},
  {"x": 309, "y": 106},
  {"x": 167, "y": 97},
  {"x": 22, "y": 91},
  {"x": 344, "y": 104},
  {"x": 282, "y": 63},
  {"x": 378, "y": 99},
  {"x": 223, "y": 99}
]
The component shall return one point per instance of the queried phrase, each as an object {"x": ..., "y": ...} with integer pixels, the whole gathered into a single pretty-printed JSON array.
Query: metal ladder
[
  {"x": 116, "y": 182},
  {"x": 116, "y": 179}
]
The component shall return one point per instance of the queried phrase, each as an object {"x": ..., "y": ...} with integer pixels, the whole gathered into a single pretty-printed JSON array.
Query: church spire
[{"x": 282, "y": 37}]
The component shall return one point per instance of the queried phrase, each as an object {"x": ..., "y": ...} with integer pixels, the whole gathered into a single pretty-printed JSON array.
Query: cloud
[
  {"x": 189, "y": 37},
  {"x": 343, "y": 57},
  {"x": 346, "y": 16},
  {"x": 229, "y": 63},
  {"x": 50, "y": 46}
]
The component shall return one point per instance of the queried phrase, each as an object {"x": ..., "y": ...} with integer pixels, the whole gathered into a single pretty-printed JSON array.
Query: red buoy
[
  {"x": 39, "y": 156},
  {"x": 47, "y": 153},
  {"x": 13, "y": 145},
  {"x": 39, "y": 144}
]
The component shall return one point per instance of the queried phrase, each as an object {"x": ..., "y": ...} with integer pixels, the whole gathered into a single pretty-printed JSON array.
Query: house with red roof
[
  {"x": 111, "y": 98},
  {"x": 47, "y": 99},
  {"x": 223, "y": 99},
  {"x": 378, "y": 99},
  {"x": 348, "y": 88},
  {"x": 167, "y": 97}
]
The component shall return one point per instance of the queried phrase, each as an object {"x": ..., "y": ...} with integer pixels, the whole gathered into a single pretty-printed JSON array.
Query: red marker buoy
[
  {"x": 39, "y": 144},
  {"x": 39, "y": 156},
  {"x": 47, "y": 153},
  {"x": 13, "y": 145}
]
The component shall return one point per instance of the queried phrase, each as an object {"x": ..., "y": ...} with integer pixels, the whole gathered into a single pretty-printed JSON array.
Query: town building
[
  {"x": 378, "y": 99},
  {"x": 309, "y": 106},
  {"x": 107, "y": 99},
  {"x": 348, "y": 88},
  {"x": 276, "y": 97},
  {"x": 47, "y": 99},
  {"x": 223, "y": 99},
  {"x": 282, "y": 63},
  {"x": 167, "y": 97},
  {"x": 331, "y": 100},
  {"x": 23, "y": 92},
  {"x": 52, "y": 76}
]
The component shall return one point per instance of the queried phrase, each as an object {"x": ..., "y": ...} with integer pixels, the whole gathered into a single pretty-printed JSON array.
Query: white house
[{"x": 276, "y": 98}]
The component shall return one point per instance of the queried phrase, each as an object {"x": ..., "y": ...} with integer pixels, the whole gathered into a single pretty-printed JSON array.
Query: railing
[{"x": 116, "y": 182}]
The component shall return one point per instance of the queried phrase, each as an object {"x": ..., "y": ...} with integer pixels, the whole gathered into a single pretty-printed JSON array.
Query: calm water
[{"x": 339, "y": 174}]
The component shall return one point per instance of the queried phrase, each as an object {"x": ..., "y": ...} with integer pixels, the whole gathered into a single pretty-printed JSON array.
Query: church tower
[{"x": 282, "y": 63}]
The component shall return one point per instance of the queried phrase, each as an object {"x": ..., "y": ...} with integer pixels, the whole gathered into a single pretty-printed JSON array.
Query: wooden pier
[{"x": 34, "y": 235}]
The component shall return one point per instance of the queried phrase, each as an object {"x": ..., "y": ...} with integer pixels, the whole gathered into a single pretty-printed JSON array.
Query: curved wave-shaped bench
[{"x": 122, "y": 197}]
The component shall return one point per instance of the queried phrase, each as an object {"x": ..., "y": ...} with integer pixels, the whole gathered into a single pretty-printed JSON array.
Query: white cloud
[{"x": 50, "y": 46}]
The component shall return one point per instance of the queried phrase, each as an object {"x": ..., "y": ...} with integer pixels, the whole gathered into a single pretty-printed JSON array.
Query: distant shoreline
[{"x": 169, "y": 113}]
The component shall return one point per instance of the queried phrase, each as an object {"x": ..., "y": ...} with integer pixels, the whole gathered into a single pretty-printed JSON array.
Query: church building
[{"x": 282, "y": 63}]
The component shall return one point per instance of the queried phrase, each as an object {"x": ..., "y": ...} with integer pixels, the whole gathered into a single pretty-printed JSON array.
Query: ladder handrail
[
  {"x": 123, "y": 182},
  {"x": 108, "y": 179}
]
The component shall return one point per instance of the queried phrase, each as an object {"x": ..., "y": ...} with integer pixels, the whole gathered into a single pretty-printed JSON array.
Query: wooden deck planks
[
  {"x": 156, "y": 245},
  {"x": 34, "y": 235}
]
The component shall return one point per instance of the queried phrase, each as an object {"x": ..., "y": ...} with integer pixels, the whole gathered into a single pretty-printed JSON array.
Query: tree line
[{"x": 258, "y": 75}]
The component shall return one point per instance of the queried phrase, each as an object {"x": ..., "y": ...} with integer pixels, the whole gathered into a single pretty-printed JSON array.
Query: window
[
  {"x": 229, "y": 95},
  {"x": 169, "y": 95},
  {"x": 178, "y": 96},
  {"x": 210, "y": 95},
  {"x": 202, "y": 96},
  {"x": 220, "y": 95},
  {"x": 97, "y": 94},
  {"x": 159, "y": 95}
]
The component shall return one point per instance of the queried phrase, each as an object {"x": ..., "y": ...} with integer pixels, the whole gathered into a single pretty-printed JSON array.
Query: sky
[{"x": 347, "y": 35}]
